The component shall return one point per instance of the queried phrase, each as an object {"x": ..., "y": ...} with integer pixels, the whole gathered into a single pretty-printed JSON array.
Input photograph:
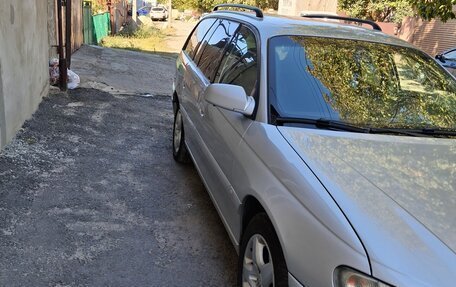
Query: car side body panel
[
  {"x": 314, "y": 234},
  {"x": 209, "y": 147}
]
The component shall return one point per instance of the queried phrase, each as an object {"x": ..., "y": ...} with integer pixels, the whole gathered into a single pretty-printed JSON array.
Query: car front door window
[
  {"x": 213, "y": 49},
  {"x": 239, "y": 64}
]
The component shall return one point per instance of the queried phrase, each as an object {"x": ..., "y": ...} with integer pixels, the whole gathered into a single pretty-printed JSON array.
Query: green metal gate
[
  {"x": 101, "y": 26},
  {"x": 96, "y": 27},
  {"x": 89, "y": 37}
]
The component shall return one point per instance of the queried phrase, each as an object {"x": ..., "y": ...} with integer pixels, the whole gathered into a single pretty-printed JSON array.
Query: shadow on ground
[{"x": 90, "y": 196}]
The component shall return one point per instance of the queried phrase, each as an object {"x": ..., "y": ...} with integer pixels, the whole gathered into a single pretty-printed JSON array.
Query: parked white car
[
  {"x": 328, "y": 149},
  {"x": 159, "y": 13}
]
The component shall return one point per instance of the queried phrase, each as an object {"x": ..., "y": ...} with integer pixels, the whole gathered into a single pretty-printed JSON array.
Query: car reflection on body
[{"x": 448, "y": 60}]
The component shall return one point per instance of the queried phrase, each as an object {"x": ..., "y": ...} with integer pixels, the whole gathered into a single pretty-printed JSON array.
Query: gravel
[{"x": 90, "y": 196}]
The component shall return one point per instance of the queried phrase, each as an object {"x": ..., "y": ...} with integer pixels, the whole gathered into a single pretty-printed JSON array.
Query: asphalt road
[{"x": 90, "y": 195}]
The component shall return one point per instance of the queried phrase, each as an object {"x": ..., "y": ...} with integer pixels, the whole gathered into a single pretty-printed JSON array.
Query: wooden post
[
  {"x": 68, "y": 30},
  {"x": 170, "y": 16},
  {"x": 133, "y": 11},
  {"x": 63, "y": 76},
  {"x": 111, "y": 11}
]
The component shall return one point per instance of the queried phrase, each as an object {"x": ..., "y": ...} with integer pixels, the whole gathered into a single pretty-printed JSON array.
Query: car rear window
[
  {"x": 197, "y": 36},
  {"x": 362, "y": 83}
]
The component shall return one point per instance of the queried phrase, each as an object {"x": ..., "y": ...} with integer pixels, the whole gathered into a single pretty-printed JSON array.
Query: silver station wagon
[{"x": 327, "y": 148}]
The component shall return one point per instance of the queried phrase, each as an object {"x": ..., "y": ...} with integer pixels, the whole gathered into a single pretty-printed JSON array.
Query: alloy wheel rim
[
  {"x": 177, "y": 131},
  {"x": 257, "y": 269}
]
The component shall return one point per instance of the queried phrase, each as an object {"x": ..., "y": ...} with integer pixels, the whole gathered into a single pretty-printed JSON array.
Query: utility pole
[
  {"x": 63, "y": 75},
  {"x": 170, "y": 16},
  {"x": 133, "y": 11},
  {"x": 68, "y": 30}
]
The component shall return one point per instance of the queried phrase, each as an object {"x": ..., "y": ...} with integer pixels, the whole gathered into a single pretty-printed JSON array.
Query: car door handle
[{"x": 201, "y": 111}]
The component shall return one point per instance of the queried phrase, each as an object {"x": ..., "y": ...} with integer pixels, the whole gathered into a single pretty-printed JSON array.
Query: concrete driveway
[{"x": 90, "y": 194}]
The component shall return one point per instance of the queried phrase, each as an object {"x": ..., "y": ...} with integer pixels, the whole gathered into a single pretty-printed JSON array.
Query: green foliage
[
  {"x": 396, "y": 10},
  {"x": 143, "y": 38},
  {"x": 430, "y": 9},
  {"x": 141, "y": 32},
  {"x": 207, "y": 5},
  {"x": 382, "y": 11},
  {"x": 99, "y": 6}
]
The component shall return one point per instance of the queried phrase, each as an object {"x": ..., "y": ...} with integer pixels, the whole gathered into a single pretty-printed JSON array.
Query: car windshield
[
  {"x": 157, "y": 9},
  {"x": 451, "y": 55},
  {"x": 360, "y": 83}
]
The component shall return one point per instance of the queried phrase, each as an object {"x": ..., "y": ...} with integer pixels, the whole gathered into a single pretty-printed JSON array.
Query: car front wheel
[
  {"x": 261, "y": 260},
  {"x": 180, "y": 152}
]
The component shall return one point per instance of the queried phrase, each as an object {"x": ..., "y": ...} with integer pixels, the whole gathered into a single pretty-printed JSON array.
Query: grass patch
[{"x": 143, "y": 39}]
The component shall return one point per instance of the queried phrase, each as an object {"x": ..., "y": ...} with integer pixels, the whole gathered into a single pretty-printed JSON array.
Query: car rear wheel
[
  {"x": 261, "y": 260},
  {"x": 180, "y": 152}
]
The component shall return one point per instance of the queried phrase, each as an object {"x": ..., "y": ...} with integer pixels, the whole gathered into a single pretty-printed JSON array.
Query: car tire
[
  {"x": 175, "y": 102},
  {"x": 259, "y": 252},
  {"x": 180, "y": 152}
]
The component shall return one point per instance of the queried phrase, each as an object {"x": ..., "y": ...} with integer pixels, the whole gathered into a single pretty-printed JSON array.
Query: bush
[{"x": 131, "y": 30}]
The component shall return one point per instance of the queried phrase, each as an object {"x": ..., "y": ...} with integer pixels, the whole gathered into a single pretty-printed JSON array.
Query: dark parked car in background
[{"x": 448, "y": 60}]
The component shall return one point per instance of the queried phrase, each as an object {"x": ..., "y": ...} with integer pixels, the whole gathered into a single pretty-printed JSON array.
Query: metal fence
[{"x": 96, "y": 27}]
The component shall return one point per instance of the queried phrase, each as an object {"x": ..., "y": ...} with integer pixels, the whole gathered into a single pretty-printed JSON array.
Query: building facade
[
  {"x": 24, "y": 54},
  {"x": 295, "y": 7},
  {"x": 433, "y": 37}
]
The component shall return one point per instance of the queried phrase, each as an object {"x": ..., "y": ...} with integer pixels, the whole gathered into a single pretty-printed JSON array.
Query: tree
[
  {"x": 396, "y": 10},
  {"x": 430, "y": 9},
  {"x": 207, "y": 5}
]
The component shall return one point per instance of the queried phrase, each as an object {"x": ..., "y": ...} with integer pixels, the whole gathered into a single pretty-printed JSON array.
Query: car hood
[{"x": 398, "y": 192}]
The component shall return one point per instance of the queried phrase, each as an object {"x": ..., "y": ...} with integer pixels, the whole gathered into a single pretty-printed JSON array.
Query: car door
[
  {"x": 208, "y": 57},
  {"x": 186, "y": 79},
  {"x": 222, "y": 130}
]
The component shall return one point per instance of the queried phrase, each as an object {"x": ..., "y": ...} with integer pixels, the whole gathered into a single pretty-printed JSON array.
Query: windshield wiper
[
  {"x": 322, "y": 123},
  {"x": 337, "y": 125},
  {"x": 433, "y": 132}
]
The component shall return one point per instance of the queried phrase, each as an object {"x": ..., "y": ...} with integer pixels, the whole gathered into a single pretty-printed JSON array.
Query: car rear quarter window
[
  {"x": 197, "y": 36},
  {"x": 239, "y": 64},
  {"x": 212, "y": 51}
]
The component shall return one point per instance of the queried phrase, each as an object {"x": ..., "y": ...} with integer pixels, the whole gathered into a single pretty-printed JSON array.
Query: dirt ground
[
  {"x": 181, "y": 32},
  {"x": 90, "y": 194}
]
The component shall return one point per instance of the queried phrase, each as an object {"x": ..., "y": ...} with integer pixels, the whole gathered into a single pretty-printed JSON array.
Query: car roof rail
[
  {"x": 257, "y": 10},
  {"x": 374, "y": 25}
]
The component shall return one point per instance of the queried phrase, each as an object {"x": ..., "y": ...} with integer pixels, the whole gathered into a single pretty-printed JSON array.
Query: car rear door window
[
  {"x": 197, "y": 36},
  {"x": 239, "y": 64},
  {"x": 213, "y": 50}
]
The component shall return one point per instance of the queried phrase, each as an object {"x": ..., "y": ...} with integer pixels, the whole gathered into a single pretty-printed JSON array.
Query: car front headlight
[{"x": 346, "y": 277}]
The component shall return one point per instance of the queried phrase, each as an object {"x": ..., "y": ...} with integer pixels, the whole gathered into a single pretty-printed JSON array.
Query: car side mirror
[
  {"x": 440, "y": 57},
  {"x": 230, "y": 97}
]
